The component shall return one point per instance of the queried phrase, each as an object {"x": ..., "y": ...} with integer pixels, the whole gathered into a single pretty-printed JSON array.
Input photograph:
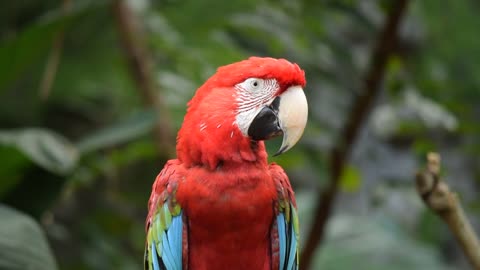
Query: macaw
[{"x": 220, "y": 204}]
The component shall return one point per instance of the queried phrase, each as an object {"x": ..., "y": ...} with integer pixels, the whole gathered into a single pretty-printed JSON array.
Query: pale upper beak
[{"x": 287, "y": 115}]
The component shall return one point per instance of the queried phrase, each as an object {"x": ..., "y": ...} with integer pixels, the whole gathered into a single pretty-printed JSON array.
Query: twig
[
  {"x": 54, "y": 57},
  {"x": 357, "y": 116},
  {"x": 442, "y": 201},
  {"x": 140, "y": 65}
]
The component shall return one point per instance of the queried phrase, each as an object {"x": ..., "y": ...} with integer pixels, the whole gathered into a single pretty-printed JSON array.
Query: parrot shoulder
[
  {"x": 285, "y": 231},
  {"x": 164, "y": 225}
]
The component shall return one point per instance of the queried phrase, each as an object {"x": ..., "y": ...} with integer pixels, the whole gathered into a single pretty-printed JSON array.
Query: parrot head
[{"x": 239, "y": 107}]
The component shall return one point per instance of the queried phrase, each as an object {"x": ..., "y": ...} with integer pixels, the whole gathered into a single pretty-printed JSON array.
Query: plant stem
[
  {"x": 358, "y": 115},
  {"x": 140, "y": 65},
  {"x": 437, "y": 195},
  {"x": 54, "y": 58}
]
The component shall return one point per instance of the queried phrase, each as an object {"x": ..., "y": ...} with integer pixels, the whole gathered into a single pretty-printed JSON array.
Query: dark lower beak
[
  {"x": 266, "y": 124},
  {"x": 286, "y": 115}
]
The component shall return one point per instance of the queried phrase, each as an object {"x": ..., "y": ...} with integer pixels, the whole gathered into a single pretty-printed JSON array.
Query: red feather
[
  {"x": 201, "y": 141},
  {"x": 221, "y": 179}
]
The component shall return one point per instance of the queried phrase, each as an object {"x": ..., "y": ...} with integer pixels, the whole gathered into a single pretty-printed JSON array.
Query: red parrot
[{"x": 220, "y": 204}]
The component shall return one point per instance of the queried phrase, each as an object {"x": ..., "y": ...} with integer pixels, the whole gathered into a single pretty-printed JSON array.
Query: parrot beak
[{"x": 287, "y": 115}]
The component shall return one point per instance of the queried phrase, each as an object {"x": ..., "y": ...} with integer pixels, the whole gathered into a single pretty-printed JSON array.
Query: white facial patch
[{"x": 252, "y": 95}]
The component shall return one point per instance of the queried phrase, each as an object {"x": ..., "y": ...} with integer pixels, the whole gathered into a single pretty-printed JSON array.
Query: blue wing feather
[
  {"x": 287, "y": 237},
  {"x": 155, "y": 257},
  {"x": 165, "y": 250},
  {"x": 175, "y": 239},
  {"x": 167, "y": 255},
  {"x": 293, "y": 248},
  {"x": 282, "y": 238}
]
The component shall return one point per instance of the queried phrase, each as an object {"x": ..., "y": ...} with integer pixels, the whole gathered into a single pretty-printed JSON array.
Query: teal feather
[{"x": 287, "y": 224}]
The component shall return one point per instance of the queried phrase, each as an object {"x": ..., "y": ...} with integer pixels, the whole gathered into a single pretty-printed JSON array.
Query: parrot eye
[
  {"x": 259, "y": 87},
  {"x": 252, "y": 84}
]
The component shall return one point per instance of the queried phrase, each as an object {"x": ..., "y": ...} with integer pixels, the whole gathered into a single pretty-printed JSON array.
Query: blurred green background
[{"x": 79, "y": 149}]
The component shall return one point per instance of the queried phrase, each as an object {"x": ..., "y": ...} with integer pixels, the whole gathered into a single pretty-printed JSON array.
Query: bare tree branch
[
  {"x": 362, "y": 105},
  {"x": 140, "y": 65},
  {"x": 54, "y": 58},
  {"x": 437, "y": 195}
]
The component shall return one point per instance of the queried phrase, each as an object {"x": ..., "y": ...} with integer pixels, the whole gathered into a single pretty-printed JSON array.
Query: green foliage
[
  {"x": 131, "y": 128},
  {"x": 11, "y": 168},
  {"x": 33, "y": 42},
  {"x": 350, "y": 180},
  {"x": 16, "y": 230},
  {"x": 46, "y": 148},
  {"x": 367, "y": 243},
  {"x": 18, "y": 54}
]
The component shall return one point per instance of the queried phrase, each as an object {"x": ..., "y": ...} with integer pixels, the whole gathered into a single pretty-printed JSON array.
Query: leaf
[
  {"x": 14, "y": 164},
  {"x": 23, "y": 243},
  {"x": 374, "y": 242},
  {"x": 18, "y": 53},
  {"x": 134, "y": 126},
  {"x": 33, "y": 42},
  {"x": 350, "y": 180},
  {"x": 47, "y": 149},
  {"x": 412, "y": 115}
]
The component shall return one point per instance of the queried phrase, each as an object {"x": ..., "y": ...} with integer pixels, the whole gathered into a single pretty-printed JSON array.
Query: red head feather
[{"x": 209, "y": 134}]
